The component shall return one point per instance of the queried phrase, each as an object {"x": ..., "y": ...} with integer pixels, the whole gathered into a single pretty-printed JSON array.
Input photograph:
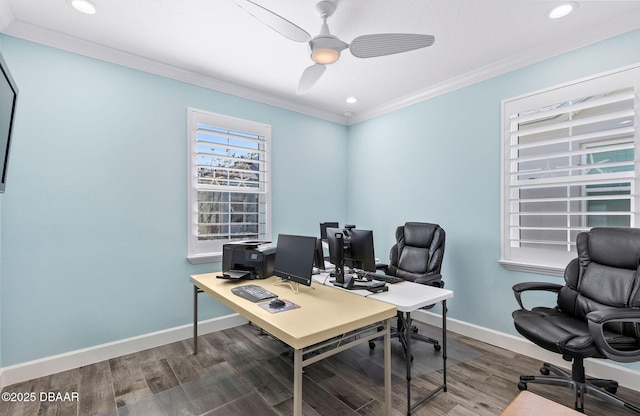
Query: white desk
[{"x": 408, "y": 297}]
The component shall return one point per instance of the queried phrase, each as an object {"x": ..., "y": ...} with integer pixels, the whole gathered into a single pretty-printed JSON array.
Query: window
[
  {"x": 568, "y": 164},
  {"x": 228, "y": 183}
]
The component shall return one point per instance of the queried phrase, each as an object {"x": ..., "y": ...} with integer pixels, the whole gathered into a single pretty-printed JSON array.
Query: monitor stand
[
  {"x": 294, "y": 286},
  {"x": 350, "y": 282}
]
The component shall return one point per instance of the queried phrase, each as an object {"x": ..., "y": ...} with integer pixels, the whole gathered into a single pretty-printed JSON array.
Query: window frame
[
  {"x": 541, "y": 260},
  {"x": 211, "y": 251}
]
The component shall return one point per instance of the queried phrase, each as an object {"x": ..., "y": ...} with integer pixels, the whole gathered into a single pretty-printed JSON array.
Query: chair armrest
[
  {"x": 519, "y": 288},
  {"x": 597, "y": 321},
  {"x": 383, "y": 267}
]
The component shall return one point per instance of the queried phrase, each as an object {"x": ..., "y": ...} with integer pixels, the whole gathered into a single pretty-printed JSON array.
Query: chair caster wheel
[
  {"x": 544, "y": 371},
  {"x": 437, "y": 347},
  {"x": 372, "y": 345},
  {"x": 522, "y": 386},
  {"x": 414, "y": 329},
  {"x": 612, "y": 390}
]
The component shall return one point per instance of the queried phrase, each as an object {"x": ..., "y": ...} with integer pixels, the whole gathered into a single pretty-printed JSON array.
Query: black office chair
[
  {"x": 416, "y": 257},
  {"x": 597, "y": 313}
]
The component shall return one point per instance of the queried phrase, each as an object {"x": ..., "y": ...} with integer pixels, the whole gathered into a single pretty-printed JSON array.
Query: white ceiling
[{"x": 217, "y": 44}]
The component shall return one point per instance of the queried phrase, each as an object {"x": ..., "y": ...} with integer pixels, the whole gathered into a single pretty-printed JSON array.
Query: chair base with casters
[
  {"x": 603, "y": 389},
  {"x": 413, "y": 334}
]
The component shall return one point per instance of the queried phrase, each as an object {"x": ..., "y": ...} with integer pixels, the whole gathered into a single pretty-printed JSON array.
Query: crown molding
[
  {"x": 19, "y": 29},
  {"x": 540, "y": 53},
  {"x": 79, "y": 46}
]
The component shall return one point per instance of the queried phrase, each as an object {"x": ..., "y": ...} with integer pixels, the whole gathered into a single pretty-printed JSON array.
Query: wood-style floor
[{"x": 241, "y": 371}]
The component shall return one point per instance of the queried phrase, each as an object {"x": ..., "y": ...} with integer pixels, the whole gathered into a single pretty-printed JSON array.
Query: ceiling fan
[{"x": 326, "y": 48}]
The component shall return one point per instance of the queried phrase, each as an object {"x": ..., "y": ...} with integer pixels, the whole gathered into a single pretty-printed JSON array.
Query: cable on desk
[{"x": 326, "y": 277}]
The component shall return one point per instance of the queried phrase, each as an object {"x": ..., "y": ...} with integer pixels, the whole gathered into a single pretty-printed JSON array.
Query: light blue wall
[
  {"x": 439, "y": 161},
  {"x": 94, "y": 216}
]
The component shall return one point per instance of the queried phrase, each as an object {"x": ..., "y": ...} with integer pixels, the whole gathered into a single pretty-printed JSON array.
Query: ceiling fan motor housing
[{"x": 327, "y": 42}]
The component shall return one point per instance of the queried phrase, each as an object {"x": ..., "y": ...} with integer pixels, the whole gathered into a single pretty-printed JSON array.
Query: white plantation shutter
[
  {"x": 569, "y": 164},
  {"x": 228, "y": 183}
]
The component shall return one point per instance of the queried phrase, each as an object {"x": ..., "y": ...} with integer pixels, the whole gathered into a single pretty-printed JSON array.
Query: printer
[{"x": 248, "y": 260}]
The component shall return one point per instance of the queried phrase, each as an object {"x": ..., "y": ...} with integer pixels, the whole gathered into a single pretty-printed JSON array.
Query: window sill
[
  {"x": 205, "y": 258},
  {"x": 532, "y": 268}
]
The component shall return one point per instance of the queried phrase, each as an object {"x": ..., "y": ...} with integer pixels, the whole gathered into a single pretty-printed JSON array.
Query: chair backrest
[
  {"x": 605, "y": 273},
  {"x": 418, "y": 251}
]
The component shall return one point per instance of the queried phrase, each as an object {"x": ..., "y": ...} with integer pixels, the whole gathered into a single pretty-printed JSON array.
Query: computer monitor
[
  {"x": 350, "y": 247},
  {"x": 336, "y": 245},
  {"x": 294, "y": 258},
  {"x": 359, "y": 251},
  {"x": 323, "y": 228},
  {"x": 318, "y": 257},
  {"x": 335, "y": 241}
]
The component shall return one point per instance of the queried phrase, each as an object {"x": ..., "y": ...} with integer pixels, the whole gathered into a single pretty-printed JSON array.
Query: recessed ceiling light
[
  {"x": 562, "y": 10},
  {"x": 352, "y": 100},
  {"x": 84, "y": 6}
]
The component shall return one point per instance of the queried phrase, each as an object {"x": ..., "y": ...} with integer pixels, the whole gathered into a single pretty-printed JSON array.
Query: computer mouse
[{"x": 276, "y": 303}]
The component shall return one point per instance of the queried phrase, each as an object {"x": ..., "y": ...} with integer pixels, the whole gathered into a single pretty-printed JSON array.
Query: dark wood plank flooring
[{"x": 241, "y": 371}]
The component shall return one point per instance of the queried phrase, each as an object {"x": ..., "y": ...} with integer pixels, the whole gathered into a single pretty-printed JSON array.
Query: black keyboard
[
  {"x": 379, "y": 277},
  {"x": 254, "y": 293},
  {"x": 386, "y": 278}
]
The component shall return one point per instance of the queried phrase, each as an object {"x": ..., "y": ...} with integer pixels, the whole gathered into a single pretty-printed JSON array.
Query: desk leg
[
  {"x": 406, "y": 333},
  {"x": 195, "y": 319},
  {"x": 443, "y": 386},
  {"x": 297, "y": 382},
  {"x": 444, "y": 345},
  {"x": 387, "y": 367}
]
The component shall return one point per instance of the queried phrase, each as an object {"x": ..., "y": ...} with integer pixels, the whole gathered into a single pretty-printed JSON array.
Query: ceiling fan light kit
[
  {"x": 326, "y": 48},
  {"x": 325, "y": 56}
]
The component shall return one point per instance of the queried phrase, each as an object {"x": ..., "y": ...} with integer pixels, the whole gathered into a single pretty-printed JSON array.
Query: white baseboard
[
  {"x": 606, "y": 369},
  {"x": 73, "y": 359}
]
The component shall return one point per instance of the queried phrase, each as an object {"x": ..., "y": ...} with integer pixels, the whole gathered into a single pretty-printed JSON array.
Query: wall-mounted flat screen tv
[{"x": 8, "y": 99}]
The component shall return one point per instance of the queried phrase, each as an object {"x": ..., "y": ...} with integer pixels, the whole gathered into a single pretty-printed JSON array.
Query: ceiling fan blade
[
  {"x": 310, "y": 76},
  {"x": 369, "y": 46},
  {"x": 274, "y": 21}
]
